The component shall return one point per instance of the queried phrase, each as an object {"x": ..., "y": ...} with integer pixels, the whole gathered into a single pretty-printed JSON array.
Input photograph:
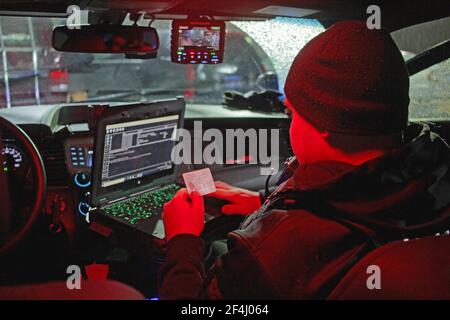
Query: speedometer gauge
[{"x": 12, "y": 158}]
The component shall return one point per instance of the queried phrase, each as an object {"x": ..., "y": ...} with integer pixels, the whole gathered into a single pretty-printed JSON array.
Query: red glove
[
  {"x": 242, "y": 201},
  {"x": 184, "y": 214}
]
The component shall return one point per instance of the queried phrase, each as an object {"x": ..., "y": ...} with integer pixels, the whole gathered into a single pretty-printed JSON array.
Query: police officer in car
[{"x": 362, "y": 178}]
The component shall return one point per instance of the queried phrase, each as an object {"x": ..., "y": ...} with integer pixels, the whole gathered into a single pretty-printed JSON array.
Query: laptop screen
[
  {"x": 133, "y": 148},
  {"x": 136, "y": 149}
]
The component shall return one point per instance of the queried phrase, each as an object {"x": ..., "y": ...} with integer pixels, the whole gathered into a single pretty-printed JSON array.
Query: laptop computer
[{"x": 133, "y": 174}]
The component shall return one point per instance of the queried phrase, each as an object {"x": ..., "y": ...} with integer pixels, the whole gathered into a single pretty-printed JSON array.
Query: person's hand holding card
[
  {"x": 184, "y": 214},
  {"x": 200, "y": 181}
]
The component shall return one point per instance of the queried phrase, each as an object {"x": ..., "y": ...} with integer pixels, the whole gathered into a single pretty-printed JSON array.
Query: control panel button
[
  {"x": 82, "y": 179},
  {"x": 83, "y": 208},
  {"x": 80, "y": 156}
]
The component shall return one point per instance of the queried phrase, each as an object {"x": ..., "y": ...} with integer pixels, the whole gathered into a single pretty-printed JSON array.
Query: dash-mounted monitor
[{"x": 198, "y": 42}]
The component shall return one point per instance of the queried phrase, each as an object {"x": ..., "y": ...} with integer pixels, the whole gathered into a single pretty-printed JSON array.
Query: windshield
[
  {"x": 257, "y": 56},
  {"x": 429, "y": 93}
]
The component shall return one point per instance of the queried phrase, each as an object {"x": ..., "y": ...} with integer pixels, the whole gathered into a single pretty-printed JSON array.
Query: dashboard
[{"x": 63, "y": 135}]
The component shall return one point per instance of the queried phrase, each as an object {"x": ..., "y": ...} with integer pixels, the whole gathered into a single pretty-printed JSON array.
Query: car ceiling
[{"x": 394, "y": 14}]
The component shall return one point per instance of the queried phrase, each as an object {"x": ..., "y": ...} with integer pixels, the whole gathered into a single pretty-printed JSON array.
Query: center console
[{"x": 79, "y": 155}]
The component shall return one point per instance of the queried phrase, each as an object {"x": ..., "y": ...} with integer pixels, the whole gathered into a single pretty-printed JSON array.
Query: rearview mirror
[{"x": 106, "y": 39}]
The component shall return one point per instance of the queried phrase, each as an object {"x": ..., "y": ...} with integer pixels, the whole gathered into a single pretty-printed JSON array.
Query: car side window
[{"x": 429, "y": 93}]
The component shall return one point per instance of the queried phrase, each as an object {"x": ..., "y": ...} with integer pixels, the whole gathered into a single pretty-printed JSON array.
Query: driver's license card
[{"x": 200, "y": 181}]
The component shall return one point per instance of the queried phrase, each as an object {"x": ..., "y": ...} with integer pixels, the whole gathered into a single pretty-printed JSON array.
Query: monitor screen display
[
  {"x": 199, "y": 37},
  {"x": 136, "y": 149}
]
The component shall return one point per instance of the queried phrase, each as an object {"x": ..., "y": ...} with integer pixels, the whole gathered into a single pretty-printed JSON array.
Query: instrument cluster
[{"x": 14, "y": 161}]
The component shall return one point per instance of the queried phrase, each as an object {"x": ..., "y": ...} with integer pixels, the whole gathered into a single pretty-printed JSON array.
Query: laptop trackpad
[{"x": 153, "y": 226}]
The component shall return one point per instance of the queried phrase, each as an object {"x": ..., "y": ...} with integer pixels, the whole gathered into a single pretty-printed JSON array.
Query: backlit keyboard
[{"x": 139, "y": 208}]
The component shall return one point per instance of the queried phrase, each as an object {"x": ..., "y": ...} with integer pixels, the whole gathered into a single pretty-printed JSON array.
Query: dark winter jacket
[{"x": 317, "y": 224}]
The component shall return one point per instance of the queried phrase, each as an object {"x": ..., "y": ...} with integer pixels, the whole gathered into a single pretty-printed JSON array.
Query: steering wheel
[{"x": 40, "y": 185}]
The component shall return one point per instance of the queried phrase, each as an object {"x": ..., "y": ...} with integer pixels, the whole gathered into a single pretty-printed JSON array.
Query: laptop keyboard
[{"x": 142, "y": 207}]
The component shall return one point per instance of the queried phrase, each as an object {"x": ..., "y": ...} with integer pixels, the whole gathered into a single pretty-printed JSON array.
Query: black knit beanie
[{"x": 351, "y": 80}]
